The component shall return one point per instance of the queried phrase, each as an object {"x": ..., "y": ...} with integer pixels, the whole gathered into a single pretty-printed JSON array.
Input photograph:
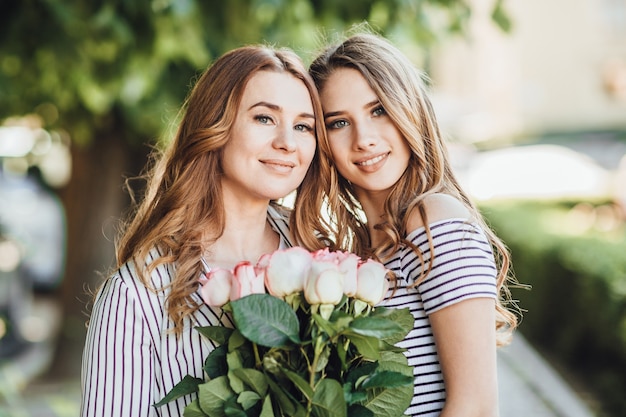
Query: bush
[{"x": 574, "y": 257}]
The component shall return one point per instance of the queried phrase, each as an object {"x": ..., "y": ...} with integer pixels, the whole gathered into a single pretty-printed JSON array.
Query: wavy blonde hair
[
  {"x": 401, "y": 89},
  {"x": 182, "y": 211}
]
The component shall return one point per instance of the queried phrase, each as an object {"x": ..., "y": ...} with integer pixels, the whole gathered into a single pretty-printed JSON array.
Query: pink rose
[
  {"x": 372, "y": 283},
  {"x": 286, "y": 270},
  {"x": 348, "y": 264},
  {"x": 246, "y": 280},
  {"x": 216, "y": 287}
]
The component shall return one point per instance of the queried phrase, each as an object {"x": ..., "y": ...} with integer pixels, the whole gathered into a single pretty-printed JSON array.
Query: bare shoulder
[{"x": 439, "y": 207}]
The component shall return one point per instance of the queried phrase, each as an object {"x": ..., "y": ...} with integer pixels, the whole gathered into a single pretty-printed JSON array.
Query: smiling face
[
  {"x": 367, "y": 147},
  {"x": 272, "y": 141}
]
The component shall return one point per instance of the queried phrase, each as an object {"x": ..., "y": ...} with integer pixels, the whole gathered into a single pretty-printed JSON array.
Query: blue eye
[
  {"x": 337, "y": 124},
  {"x": 263, "y": 119},
  {"x": 379, "y": 111},
  {"x": 303, "y": 127}
]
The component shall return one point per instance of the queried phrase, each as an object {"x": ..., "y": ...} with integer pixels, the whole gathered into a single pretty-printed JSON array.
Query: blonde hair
[
  {"x": 182, "y": 210},
  {"x": 401, "y": 90}
]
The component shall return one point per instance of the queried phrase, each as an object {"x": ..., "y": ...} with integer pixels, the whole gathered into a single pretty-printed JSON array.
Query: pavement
[{"x": 529, "y": 385}]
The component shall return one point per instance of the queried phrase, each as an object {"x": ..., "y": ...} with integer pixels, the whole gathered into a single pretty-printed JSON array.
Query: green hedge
[{"x": 574, "y": 257}]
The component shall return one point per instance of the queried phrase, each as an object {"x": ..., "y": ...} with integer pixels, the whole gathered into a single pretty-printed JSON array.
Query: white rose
[
  {"x": 372, "y": 283},
  {"x": 324, "y": 284},
  {"x": 286, "y": 270}
]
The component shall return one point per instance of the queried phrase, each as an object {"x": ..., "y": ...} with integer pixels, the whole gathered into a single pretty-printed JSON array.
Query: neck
[
  {"x": 373, "y": 205},
  {"x": 247, "y": 235}
]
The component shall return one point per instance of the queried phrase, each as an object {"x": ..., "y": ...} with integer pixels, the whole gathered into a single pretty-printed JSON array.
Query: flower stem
[{"x": 257, "y": 357}]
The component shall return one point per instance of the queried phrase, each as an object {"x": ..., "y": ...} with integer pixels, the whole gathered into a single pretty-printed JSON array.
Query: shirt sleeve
[
  {"x": 463, "y": 265},
  {"x": 118, "y": 364}
]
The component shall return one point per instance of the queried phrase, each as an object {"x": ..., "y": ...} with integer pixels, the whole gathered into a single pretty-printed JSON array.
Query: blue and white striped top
[
  {"x": 463, "y": 268},
  {"x": 131, "y": 357}
]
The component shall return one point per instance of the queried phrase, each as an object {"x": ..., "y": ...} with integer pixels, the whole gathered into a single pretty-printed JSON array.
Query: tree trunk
[{"x": 95, "y": 199}]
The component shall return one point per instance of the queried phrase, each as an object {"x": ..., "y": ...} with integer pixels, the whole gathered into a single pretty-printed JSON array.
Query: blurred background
[{"x": 531, "y": 94}]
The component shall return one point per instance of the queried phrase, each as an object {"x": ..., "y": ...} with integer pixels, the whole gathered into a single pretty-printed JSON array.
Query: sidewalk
[{"x": 529, "y": 387}]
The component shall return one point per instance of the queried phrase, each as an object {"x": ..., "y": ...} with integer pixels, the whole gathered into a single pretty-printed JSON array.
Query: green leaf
[
  {"x": 236, "y": 341},
  {"x": 215, "y": 363},
  {"x": 255, "y": 380},
  {"x": 299, "y": 382},
  {"x": 326, "y": 326},
  {"x": 387, "y": 379},
  {"x": 357, "y": 410},
  {"x": 193, "y": 410},
  {"x": 366, "y": 345},
  {"x": 395, "y": 361},
  {"x": 266, "y": 320},
  {"x": 235, "y": 362},
  {"x": 288, "y": 406},
  {"x": 236, "y": 384},
  {"x": 248, "y": 399},
  {"x": 366, "y": 369},
  {"x": 387, "y": 347},
  {"x": 218, "y": 334},
  {"x": 501, "y": 17},
  {"x": 233, "y": 409},
  {"x": 379, "y": 327},
  {"x": 328, "y": 399},
  {"x": 391, "y": 401},
  {"x": 213, "y": 396},
  {"x": 400, "y": 316},
  {"x": 188, "y": 385},
  {"x": 353, "y": 396},
  {"x": 268, "y": 409}
]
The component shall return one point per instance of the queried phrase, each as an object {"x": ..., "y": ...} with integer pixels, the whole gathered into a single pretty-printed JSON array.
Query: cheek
[
  {"x": 307, "y": 151},
  {"x": 338, "y": 152}
]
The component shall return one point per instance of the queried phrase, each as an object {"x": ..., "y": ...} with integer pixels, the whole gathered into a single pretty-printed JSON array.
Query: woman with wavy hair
[
  {"x": 392, "y": 195},
  {"x": 247, "y": 138}
]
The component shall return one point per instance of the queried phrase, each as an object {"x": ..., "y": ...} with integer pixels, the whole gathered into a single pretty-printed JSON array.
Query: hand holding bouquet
[{"x": 308, "y": 340}]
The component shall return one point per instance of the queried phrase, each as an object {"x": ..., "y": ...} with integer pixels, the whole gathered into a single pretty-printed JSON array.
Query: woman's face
[
  {"x": 367, "y": 147},
  {"x": 272, "y": 141}
]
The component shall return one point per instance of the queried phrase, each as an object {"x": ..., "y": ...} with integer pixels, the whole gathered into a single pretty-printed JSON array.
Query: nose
[
  {"x": 364, "y": 136},
  {"x": 285, "y": 139}
]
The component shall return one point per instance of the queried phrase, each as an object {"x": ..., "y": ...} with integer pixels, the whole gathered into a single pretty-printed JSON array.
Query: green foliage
[
  {"x": 286, "y": 360},
  {"x": 572, "y": 254},
  {"x": 127, "y": 65}
]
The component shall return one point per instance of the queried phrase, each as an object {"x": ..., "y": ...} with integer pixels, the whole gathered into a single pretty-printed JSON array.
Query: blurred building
[{"x": 561, "y": 68}]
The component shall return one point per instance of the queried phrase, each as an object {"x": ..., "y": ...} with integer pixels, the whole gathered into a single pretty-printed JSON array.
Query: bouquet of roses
[{"x": 308, "y": 340}]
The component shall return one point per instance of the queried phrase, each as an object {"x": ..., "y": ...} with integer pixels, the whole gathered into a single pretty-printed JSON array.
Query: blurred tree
[{"x": 113, "y": 73}]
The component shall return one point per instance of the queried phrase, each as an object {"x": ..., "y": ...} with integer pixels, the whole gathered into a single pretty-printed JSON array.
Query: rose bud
[
  {"x": 286, "y": 270},
  {"x": 372, "y": 283},
  {"x": 246, "y": 281},
  {"x": 216, "y": 287}
]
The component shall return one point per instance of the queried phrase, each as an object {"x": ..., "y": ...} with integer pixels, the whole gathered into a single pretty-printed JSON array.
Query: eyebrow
[
  {"x": 339, "y": 112},
  {"x": 277, "y": 108}
]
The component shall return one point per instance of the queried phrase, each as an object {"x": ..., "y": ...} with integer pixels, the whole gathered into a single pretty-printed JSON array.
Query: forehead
[
  {"x": 344, "y": 87},
  {"x": 276, "y": 87}
]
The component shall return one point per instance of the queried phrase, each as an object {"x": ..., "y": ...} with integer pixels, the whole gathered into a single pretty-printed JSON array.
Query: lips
[
  {"x": 278, "y": 164},
  {"x": 371, "y": 160}
]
